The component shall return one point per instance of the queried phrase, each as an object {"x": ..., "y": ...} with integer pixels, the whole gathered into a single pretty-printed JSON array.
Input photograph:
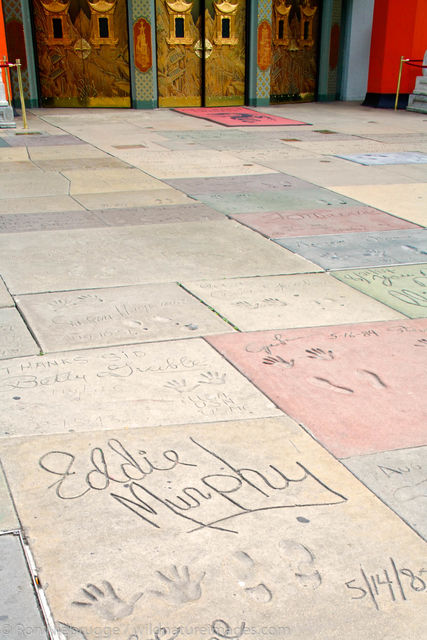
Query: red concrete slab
[
  {"x": 281, "y": 224},
  {"x": 238, "y": 117},
  {"x": 358, "y": 388}
]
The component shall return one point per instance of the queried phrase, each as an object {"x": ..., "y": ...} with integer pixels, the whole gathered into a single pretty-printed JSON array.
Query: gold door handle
[{"x": 208, "y": 48}]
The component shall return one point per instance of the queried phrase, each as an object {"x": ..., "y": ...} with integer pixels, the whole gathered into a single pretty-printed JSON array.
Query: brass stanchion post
[
  {"x": 402, "y": 60},
  {"x": 21, "y": 93}
]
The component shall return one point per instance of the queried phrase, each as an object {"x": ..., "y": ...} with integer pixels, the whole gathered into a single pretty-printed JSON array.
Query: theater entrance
[
  {"x": 82, "y": 53},
  {"x": 201, "y": 51}
]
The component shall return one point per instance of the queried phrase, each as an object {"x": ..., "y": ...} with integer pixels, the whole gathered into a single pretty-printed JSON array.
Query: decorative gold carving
[
  {"x": 179, "y": 13},
  {"x": 282, "y": 27},
  {"x": 225, "y": 12},
  {"x": 208, "y": 48},
  {"x": 58, "y": 11},
  {"x": 307, "y": 13},
  {"x": 102, "y": 10}
]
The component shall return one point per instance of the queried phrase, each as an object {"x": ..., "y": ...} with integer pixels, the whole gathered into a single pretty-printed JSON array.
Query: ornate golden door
[
  {"x": 293, "y": 74},
  {"x": 201, "y": 49},
  {"x": 82, "y": 52}
]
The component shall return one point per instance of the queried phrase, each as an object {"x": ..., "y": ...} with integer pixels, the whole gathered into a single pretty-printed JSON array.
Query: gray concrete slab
[
  {"x": 15, "y": 339},
  {"x": 124, "y": 315},
  {"x": 279, "y": 302},
  {"x": 158, "y": 214},
  {"x": 348, "y": 250},
  {"x": 222, "y": 527},
  {"x": 20, "y": 614},
  {"x": 153, "y": 384},
  {"x": 5, "y": 298},
  {"x": 402, "y": 288},
  {"x": 239, "y": 184},
  {"x": 117, "y": 256},
  {"x": 399, "y": 478},
  {"x": 48, "y": 221},
  {"x": 403, "y": 157},
  {"x": 42, "y": 140},
  {"x": 259, "y": 201},
  {"x": 8, "y": 518}
]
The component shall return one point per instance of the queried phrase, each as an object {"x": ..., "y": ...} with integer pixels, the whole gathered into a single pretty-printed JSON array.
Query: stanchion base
[{"x": 6, "y": 118}]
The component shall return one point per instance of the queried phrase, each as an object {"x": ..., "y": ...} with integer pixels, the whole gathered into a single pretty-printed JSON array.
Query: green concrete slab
[
  {"x": 403, "y": 288},
  {"x": 20, "y": 615},
  {"x": 3, "y": 143},
  {"x": 399, "y": 478},
  {"x": 295, "y": 199},
  {"x": 212, "y": 529}
]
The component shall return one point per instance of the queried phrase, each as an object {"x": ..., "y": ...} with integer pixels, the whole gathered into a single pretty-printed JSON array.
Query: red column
[
  {"x": 3, "y": 49},
  {"x": 399, "y": 29}
]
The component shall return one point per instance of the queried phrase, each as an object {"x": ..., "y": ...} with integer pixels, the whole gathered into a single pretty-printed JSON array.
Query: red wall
[
  {"x": 399, "y": 29},
  {"x": 3, "y": 51}
]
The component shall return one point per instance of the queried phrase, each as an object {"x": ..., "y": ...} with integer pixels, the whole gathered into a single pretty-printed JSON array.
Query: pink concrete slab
[
  {"x": 279, "y": 224},
  {"x": 238, "y": 117},
  {"x": 358, "y": 388}
]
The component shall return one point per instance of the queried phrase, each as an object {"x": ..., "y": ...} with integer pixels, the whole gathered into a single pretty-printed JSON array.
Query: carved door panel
[
  {"x": 201, "y": 52},
  {"x": 82, "y": 53},
  {"x": 296, "y": 29}
]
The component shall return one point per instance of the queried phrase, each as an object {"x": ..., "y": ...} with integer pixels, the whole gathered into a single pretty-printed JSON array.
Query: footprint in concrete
[
  {"x": 246, "y": 570},
  {"x": 301, "y": 561}
]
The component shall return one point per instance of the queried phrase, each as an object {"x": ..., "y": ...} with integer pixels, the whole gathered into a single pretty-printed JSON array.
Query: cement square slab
[
  {"x": 358, "y": 388},
  {"x": 106, "y": 180},
  {"x": 41, "y": 204},
  {"x": 402, "y": 288},
  {"x": 8, "y": 518},
  {"x": 15, "y": 339},
  {"x": 158, "y": 214},
  {"x": 20, "y": 609},
  {"x": 404, "y": 157},
  {"x": 115, "y": 256},
  {"x": 13, "y": 154},
  {"x": 32, "y": 185},
  {"x": 124, "y": 315},
  {"x": 278, "y": 224},
  {"x": 238, "y": 184},
  {"x": 66, "y": 152},
  {"x": 213, "y": 530},
  {"x": 346, "y": 250},
  {"x": 153, "y": 384},
  {"x": 399, "y": 478},
  {"x": 260, "y": 201},
  {"x": 5, "y": 298},
  {"x": 3, "y": 143},
  {"x": 78, "y": 164},
  {"x": 132, "y": 199},
  {"x": 48, "y": 221},
  {"x": 278, "y": 302},
  {"x": 408, "y": 201}
]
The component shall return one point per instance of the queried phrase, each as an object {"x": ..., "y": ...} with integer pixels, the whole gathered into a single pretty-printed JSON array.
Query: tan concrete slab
[
  {"x": 154, "y": 384},
  {"x": 399, "y": 479},
  {"x": 187, "y": 164},
  {"x": 23, "y": 168},
  {"x": 13, "y": 154},
  {"x": 408, "y": 201},
  {"x": 15, "y": 339},
  {"x": 114, "y": 256},
  {"x": 41, "y": 204},
  {"x": 280, "y": 302},
  {"x": 213, "y": 529},
  {"x": 5, "y": 298},
  {"x": 106, "y": 180},
  {"x": 78, "y": 164},
  {"x": 32, "y": 185},
  {"x": 8, "y": 518},
  {"x": 130, "y": 199},
  {"x": 124, "y": 315}
]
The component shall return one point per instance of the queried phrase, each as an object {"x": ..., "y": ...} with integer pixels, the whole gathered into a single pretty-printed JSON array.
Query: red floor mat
[{"x": 238, "y": 117}]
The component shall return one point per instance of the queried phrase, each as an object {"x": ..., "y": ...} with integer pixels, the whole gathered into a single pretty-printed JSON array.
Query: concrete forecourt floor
[{"x": 213, "y": 349}]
